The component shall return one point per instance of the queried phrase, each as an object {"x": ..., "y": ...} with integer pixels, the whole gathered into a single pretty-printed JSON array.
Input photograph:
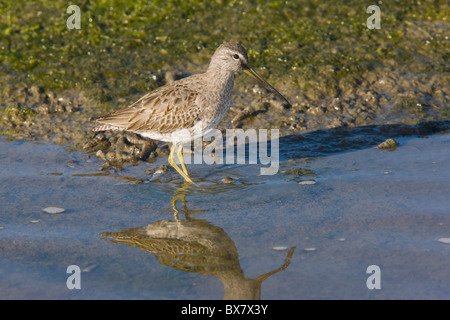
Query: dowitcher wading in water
[{"x": 199, "y": 100}]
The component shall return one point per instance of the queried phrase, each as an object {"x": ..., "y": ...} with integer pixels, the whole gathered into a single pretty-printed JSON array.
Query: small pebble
[
  {"x": 54, "y": 210},
  {"x": 228, "y": 180},
  {"x": 89, "y": 268},
  {"x": 280, "y": 248},
  {"x": 307, "y": 182},
  {"x": 278, "y": 104},
  {"x": 389, "y": 145},
  {"x": 190, "y": 265},
  {"x": 445, "y": 240}
]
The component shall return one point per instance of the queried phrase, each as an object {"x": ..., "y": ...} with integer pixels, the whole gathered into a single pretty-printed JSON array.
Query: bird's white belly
[{"x": 180, "y": 136}]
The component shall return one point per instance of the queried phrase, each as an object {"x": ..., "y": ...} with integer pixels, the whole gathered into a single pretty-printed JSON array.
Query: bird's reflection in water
[{"x": 196, "y": 245}]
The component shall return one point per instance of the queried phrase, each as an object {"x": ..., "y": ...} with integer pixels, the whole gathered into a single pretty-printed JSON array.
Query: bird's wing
[{"x": 163, "y": 110}]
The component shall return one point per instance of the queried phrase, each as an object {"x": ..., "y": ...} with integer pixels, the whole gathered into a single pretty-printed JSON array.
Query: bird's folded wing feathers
[{"x": 164, "y": 110}]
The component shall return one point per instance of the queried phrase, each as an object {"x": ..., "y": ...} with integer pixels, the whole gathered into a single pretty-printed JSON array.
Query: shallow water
[{"x": 265, "y": 237}]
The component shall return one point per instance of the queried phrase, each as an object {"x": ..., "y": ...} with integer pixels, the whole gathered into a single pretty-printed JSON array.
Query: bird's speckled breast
[{"x": 218, "y": 100}]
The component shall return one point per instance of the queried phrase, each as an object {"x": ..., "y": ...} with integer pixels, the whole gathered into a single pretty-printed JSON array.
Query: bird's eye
[{"x": 236, "y": 57}]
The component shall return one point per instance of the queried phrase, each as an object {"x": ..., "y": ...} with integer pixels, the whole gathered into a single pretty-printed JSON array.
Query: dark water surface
[{"x": 265, "y": 237}]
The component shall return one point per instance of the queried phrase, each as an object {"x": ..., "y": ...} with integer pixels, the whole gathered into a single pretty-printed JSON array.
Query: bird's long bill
[{"x": 265, "y": 84}]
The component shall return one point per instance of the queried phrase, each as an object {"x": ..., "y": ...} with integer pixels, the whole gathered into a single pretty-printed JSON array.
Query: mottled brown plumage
[
  {"x": 163, "y": 110},
  {"x": 176, "y": 110}
]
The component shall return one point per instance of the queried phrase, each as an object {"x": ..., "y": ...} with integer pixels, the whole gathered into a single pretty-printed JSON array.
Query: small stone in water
[
  {"x": 389, "y": 145},
  {"x": 444, "y": 240},
  {"x": 54, "y": 210},
  {"x": 228, "y": 180},
  {"x": 280, "y": 248},
  {"x": 89, "y": 268},
  {"x": 307, "y": 182}
]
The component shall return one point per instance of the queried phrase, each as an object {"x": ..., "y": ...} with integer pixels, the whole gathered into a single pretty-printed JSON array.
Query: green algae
[
  {"x": 119, "y": 40},
  {"x": 18, "y": 113}
]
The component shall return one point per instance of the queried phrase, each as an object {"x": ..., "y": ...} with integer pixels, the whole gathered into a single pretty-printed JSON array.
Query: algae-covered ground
[{"x": 321, "y": 55}]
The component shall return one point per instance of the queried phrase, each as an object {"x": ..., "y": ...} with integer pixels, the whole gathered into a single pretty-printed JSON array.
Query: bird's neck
[
  {"x": 219, "y": 79},
  {"x": 218, "y": 70}
]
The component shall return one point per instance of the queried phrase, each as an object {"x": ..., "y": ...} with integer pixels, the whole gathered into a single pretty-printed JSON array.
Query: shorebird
[{"x": 196, "y": 104}]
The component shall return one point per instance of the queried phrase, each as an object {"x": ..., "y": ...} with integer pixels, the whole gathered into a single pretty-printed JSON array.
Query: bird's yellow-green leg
[
  {"x": 173, "y": 202},
  {"x": 174, "y": 165},
  {"x": 180, "y": 156}
]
